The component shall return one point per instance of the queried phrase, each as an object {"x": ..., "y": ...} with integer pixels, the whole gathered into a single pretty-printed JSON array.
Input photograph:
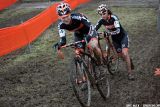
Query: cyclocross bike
[{"x": 84, "y": 74}]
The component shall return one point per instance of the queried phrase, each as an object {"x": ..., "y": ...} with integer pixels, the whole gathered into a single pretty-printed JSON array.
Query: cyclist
[
  {"x": 118, "y": 35},
  {"x": 80, "y": 25}
]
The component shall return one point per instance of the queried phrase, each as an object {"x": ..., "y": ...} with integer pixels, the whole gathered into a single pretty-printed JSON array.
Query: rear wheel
[
  {"x": 112, "y": 61},
  {"x": 80, "y": 82},
  {"x": 100, "y": 78},
  {"x": 103, "y": 83}
]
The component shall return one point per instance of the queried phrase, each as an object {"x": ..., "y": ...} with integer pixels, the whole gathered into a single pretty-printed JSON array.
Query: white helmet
[
  {"x": 63, "y": 9},
  {"x": 102, "y": 9}
]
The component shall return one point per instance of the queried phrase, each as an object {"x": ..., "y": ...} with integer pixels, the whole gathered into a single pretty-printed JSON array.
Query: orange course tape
[
  {"x": 6, "y": 3},
  {"x": 13, "y": 38}
]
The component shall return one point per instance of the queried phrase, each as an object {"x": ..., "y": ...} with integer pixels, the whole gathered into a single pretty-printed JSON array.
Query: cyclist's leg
[
  {"x": 79, "y": 46},
  {"x": 117, "y": 46},
  {"x": 93, "y": 45},
  {"x": 125, "y": 46}
]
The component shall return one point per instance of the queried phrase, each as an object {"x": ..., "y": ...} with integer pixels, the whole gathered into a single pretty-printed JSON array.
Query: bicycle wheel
[
  {"x": 102, "y": 83},
  {"x": 80, "y": 82},
  {"x": 112, "y": 61},
  {"x": 99, "y": 78},
  {"x": 90, "y": 65}
]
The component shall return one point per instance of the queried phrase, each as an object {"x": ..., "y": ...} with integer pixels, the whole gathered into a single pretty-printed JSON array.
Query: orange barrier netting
[
  {"x": 6, "y": 3},
  {"x": 12, "y": 38}
]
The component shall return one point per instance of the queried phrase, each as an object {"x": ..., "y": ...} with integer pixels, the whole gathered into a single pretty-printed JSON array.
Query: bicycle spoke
[
  {"x": 113, "y": 64},
  {"x": 80, "y": 84}
]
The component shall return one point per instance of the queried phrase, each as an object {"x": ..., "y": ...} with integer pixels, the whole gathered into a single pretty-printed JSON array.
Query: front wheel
[{"x": 80, "y": 82}]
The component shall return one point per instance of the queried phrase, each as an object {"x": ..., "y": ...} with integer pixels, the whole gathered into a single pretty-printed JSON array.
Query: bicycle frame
[{"x": 108, "y": 42}]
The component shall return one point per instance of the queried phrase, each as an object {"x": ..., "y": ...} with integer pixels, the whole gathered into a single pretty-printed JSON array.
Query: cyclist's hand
[
  {"x": 108, "y": 33},
  {"x": 100, "y": 33},
  {"x": 60, "y": 54},
  {"x": 56, "y": 46}
]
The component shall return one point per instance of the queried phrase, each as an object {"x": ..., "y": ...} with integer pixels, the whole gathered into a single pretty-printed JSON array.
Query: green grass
[
  {"x": 2, "y": 19},
  {"x": 13, "y": 13},
  {"x": 135, "y": 20}
]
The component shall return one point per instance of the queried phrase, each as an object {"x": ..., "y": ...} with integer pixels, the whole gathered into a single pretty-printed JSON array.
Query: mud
[{"x": 43, "y": 82}]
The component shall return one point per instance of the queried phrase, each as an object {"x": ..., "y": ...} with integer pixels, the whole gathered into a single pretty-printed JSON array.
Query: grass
[
  {"x": 134, "y": 20},
  {"x": 13, "y": 13},
  {"x": 28, "y": 84}
]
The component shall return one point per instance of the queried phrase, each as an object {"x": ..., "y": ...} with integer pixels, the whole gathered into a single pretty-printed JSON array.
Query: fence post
[{"x": 29, "y": 45}]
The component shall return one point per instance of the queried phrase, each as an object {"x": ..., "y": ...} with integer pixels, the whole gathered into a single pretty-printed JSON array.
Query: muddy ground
[{"x": 43, "y": 82}]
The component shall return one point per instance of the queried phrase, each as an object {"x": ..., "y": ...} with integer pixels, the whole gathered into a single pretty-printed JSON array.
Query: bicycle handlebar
[
  {"x": 104, "y": 33},
  {"x": 105, "y": 36},
  {"x": 72, "y": 44}
]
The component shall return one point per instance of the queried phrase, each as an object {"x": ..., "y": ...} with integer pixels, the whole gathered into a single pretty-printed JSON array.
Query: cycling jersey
[
  {"x": 79, "y": 24},
  {"x": 119, "y": 35}
]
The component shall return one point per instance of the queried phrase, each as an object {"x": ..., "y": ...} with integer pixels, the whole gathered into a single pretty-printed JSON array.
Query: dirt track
[{"x": 42, "y": 82}]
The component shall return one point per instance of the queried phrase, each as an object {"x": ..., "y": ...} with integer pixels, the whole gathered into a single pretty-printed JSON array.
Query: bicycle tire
[
  {"x": 104, "y": 90},
  {"x": 112, "y": 61},
  {"x": 103, "y": 83},
  {"x": 78, "y": 71}
]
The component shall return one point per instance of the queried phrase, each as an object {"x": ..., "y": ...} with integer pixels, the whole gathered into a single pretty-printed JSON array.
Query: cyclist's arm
[
  {"x": 62, "y": 35},
  {"x": 98, "y": 25},
  {"x": 84, "y": 20},
  {"x": 117, "y": 26}
]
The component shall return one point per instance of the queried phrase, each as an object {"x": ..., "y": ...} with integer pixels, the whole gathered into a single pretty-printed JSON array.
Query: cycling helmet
[
  {"x": 63, "y": 9},
  {"x": 102, "y": 9}
]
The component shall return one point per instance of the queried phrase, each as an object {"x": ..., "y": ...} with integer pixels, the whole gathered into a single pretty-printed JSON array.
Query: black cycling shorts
[
  {"x": 79, "y": 37},
  {"x": 122, "y": 43}
]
